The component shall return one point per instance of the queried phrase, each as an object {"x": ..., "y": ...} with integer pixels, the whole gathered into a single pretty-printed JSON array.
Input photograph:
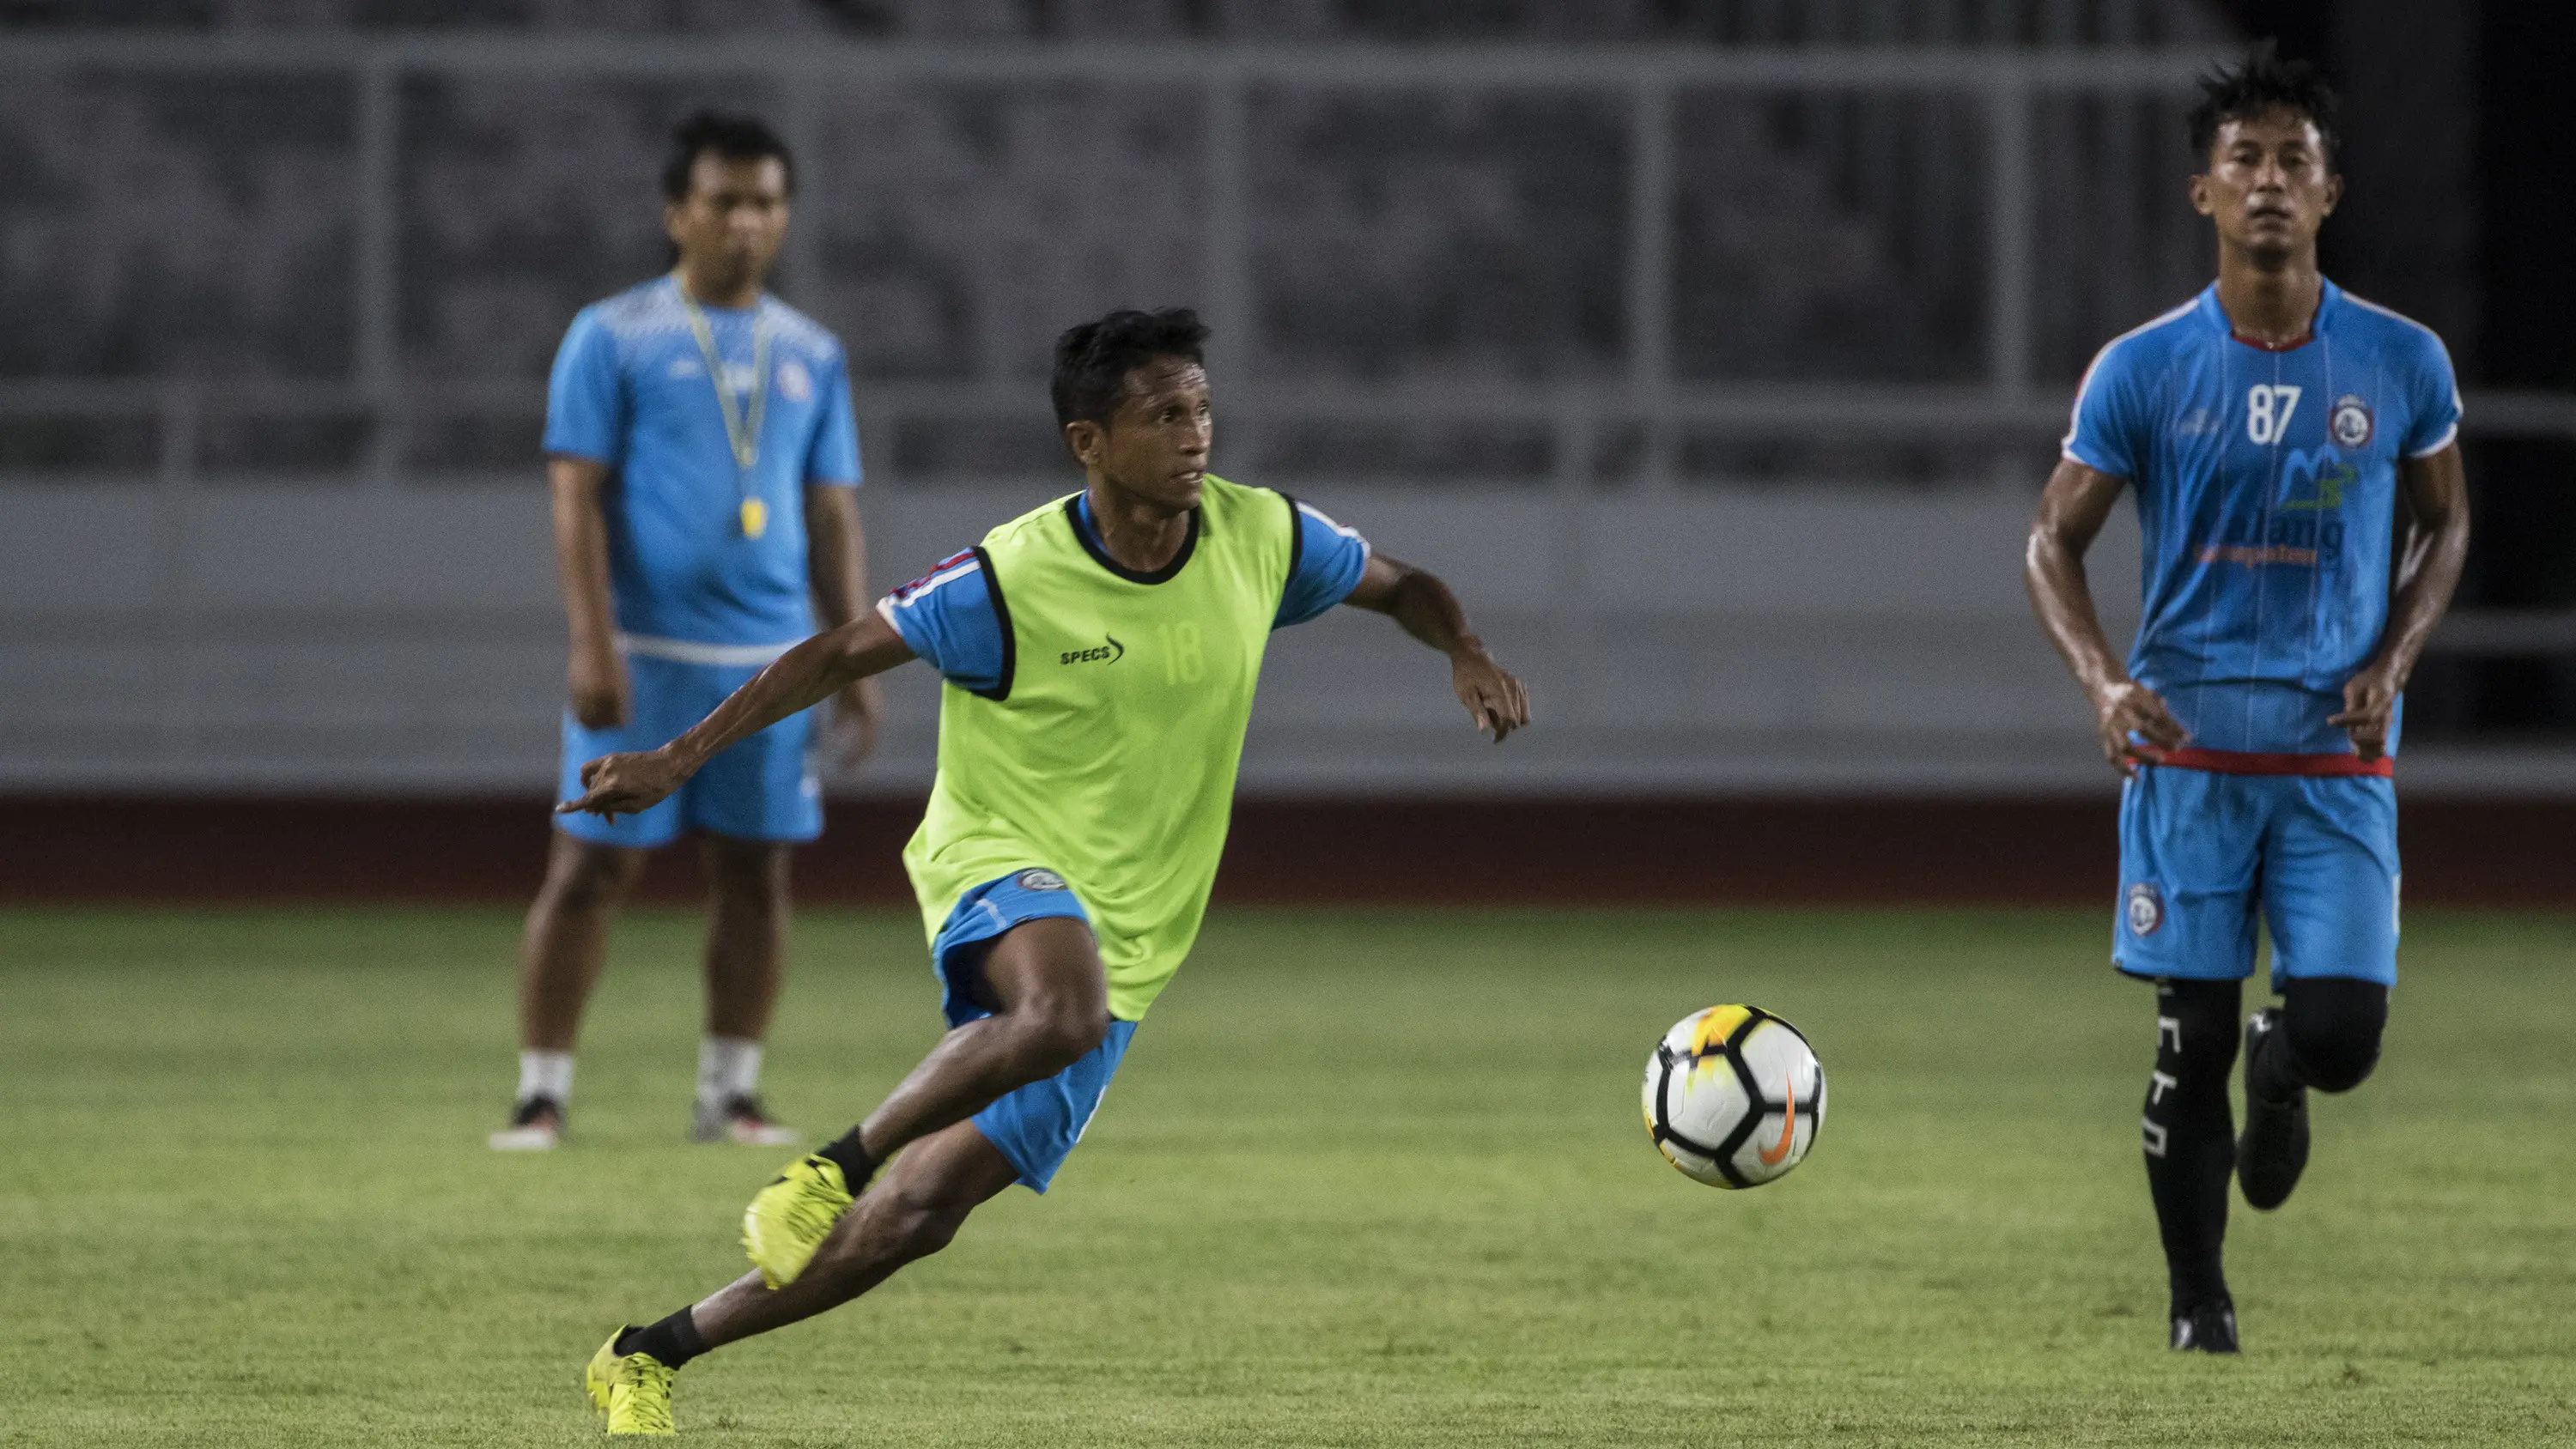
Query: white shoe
[
  {"x": 740, "y": 1120},
  {"x": 536, "y": 1125}
]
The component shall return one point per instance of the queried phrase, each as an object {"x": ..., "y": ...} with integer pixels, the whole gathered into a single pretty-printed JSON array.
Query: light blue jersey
[
  {"x": 703, "y": 600},
  {"x": 2266, "y": 485},
  {"x": 2266, "y": 482},
  {"x": 947, "y": 615},
  {"x": 630, "y": 389}
]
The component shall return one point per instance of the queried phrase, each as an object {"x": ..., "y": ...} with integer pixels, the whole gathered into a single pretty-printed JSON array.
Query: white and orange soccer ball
[{"x": 1734, "y": 1096}]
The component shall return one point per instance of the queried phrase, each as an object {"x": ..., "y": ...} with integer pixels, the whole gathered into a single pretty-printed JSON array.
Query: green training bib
[{"x": 1108, "y": 752}]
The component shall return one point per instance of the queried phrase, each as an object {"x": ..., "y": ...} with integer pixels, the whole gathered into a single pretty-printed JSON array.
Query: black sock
[
  {"x": 855, "y": 1164},
  {"x": 2191, "y": 1133},
  {"x": 672, "y": 1342}
]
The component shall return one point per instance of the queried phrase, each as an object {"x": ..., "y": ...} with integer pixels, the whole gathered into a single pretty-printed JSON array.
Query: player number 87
[{"x": 2267, "y": 411}]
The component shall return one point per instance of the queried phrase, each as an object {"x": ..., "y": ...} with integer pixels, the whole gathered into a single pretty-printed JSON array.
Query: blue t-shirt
[
  {"x": 630, "y": 389},
  {"x": 2266, "y": 482},
  {"x": 947, "y": 616}
]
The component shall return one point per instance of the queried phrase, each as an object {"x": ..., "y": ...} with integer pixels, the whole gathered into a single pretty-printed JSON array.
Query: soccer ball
[{"x": 1734, "y": 1096}]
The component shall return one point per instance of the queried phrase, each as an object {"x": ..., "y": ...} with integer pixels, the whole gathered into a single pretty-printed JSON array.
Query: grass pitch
[{"x": 1366, "y": 1178}]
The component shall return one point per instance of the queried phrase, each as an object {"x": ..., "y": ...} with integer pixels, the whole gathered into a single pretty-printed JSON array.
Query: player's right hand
[
  {"x": 1495, "y": 697},
  {"x": 2130, "y": 708},
  {"x": 626, "y": 784},
  {"x": 597, "y": 683}
]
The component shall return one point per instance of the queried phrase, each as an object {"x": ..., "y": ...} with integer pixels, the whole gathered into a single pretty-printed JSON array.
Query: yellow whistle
[{"x": 755, "y": 518}]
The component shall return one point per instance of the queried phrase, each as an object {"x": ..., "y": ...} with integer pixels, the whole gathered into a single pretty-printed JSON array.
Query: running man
[
  {"x": 1099, "y": 656},
  {"x": 2293, "y": 451},
  {"x": 704, "y": 465}
]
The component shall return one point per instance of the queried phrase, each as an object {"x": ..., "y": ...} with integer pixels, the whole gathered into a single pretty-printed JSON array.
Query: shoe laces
[
  {"x": 649, "y": 1381},
  {"x": 814, "y": 1207}
]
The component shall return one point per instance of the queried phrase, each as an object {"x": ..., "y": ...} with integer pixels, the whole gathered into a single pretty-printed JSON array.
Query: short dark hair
[
  {"x": 735, "y": 137},
  {"x": 2262, "y": 84},
  {"x": 1092, "y": 361}
]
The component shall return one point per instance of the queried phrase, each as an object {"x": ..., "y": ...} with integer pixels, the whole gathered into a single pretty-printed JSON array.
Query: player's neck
[
  {"x": 2267, "y": 300},
  {"x": 1138, "y": 533},
  {"x": 712, "y": 284}
]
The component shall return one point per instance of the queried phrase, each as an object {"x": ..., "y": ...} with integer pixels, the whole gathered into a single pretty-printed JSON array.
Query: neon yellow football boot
[
  {"x": 630, "y": 1394},
  {"x": 789, "y": 1218}
]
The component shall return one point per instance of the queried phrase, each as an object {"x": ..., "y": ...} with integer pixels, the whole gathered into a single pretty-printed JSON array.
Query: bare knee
[
  {"x": 1054, "y": 1034},
  {"x": 926, "y": 1221},
  {"x": 894, "y": 1225},
  {"x": 585, "y": 876},
  {"x": 747, "y": 875}
]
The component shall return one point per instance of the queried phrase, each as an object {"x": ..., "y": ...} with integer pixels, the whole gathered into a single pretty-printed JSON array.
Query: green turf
[{"x": 1366, "y": 1179}]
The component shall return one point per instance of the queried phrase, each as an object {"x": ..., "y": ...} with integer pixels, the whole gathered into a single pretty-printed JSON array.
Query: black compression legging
[{"x": 2330, "y": 1029}]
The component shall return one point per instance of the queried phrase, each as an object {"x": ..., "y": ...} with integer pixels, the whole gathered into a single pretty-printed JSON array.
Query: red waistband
[{"x": 2239, "y": 762}]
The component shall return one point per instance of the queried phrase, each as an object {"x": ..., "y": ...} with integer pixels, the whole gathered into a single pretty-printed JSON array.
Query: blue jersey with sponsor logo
[
  {"x": 947, "y": 615},
  {"x": 2266, "y": 483},
  {"x": 630, "y": 389}
]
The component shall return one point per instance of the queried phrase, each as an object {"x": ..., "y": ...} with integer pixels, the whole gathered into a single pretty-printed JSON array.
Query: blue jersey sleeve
[
  {"x": 2108, "y": 414},
  {"x": 947, "y": 617},
  {"x": 585, "y": 398},
  {"x": 834, "y": 457},
  {"x": 2433, "y": 402},
  {"x": 1330, "y": 560}
]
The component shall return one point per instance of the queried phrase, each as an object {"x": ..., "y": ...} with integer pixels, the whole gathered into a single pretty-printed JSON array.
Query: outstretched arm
[
  {"x": 800, "y": 678},
  {"x": 2071, "y": 512},
  {"x": 1495, "y": 700},
  {"x": 2436, "y": 492}
]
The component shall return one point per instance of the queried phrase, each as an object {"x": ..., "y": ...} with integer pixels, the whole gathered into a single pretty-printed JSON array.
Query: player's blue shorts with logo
[
  {"x": 2204, "y": 854},
  {"x": 761, "y": 789},
  {"x": 1035, "y": 1126}
]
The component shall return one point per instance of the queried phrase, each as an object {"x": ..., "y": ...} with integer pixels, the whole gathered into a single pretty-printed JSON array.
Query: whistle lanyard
[{"x": 741, "y": 420}]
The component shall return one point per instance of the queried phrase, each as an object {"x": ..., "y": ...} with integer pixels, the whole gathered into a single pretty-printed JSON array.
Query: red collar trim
[{"x": 2260, "y": 345}]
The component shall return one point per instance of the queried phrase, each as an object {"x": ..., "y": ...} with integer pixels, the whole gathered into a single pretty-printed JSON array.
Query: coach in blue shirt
[{"x": 703, "y": 463}]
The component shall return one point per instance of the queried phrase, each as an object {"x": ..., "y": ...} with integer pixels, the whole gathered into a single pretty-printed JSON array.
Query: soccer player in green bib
[{"x": 1099, "y": 655}]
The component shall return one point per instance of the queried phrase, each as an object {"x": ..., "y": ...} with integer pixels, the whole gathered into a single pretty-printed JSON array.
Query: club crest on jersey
[
  {"x": 2350, "y": 422},
  {"x": 2146, "y": 908},
  {"x": 794, "y": 383},
  {"x": 1039, "y": 880}
]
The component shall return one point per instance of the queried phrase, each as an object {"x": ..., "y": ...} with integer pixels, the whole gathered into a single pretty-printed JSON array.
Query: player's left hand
[
  {"x": 627, "y": 784},
  {"x": 851, "y": 736},
  {"x": 1496, "y": 700},
  {"x": 2369, "y": 707}
]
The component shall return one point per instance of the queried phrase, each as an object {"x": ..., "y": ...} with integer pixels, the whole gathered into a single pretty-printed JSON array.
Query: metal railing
[
  {"x": 2009, "y": 401},
  {"x": 1628, "y": 431}
]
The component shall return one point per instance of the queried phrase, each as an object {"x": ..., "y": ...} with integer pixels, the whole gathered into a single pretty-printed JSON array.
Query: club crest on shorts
[
  {"x": 2350, "y": 422},
  {"x": 2146, "y": 908},
  {"x": 1039, "y": 880}
]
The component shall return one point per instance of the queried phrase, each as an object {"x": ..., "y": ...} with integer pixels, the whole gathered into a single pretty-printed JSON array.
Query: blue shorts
[
  {"x": 2202, "y": 852},
  {"x": 761, "y": 789},
  {"x": 1034, "y": 1127}
]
